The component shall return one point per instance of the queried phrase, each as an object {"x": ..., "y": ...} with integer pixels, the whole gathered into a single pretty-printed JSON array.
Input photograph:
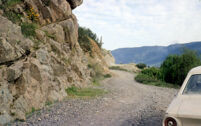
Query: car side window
[{"x": 193, "y": 85}]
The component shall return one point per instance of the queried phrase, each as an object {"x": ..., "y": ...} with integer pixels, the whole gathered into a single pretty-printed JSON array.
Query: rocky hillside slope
[{"x": 39, "y": 55}]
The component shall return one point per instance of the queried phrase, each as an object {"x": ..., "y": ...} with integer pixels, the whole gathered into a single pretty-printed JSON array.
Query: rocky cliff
[{"x": 39, "y": 55}]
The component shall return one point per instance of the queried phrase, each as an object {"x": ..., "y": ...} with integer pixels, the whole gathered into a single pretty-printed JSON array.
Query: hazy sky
[{"x": 134, "y": 23}]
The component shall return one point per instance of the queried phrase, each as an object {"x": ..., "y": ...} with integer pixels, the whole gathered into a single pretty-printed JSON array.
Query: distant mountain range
[{"x": 151, "y": 55}]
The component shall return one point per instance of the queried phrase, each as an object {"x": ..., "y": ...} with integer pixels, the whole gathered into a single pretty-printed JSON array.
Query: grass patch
[
  {"x": 12, "y": 16},
  {"x": 117, "y": 68},
  {"x": 33, "y": 110},
  {"x": 11, "y": 3},
  {"x": 96, "y": 80},
  {"x": 107, "y": 76},
  {"x": 145, "y": 79},
  {"x": 48, "y": 103},
  {"x": 84, "y": 92},
  {"x": 28, "y": 29}
]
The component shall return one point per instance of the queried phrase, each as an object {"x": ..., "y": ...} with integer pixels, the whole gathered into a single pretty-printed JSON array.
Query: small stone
[
  {"x": 20, "y": 115},
  {"x": 46, "y": 115},
  {"x": 39, "y": 119},
  {"x": 5, "y": 119}
]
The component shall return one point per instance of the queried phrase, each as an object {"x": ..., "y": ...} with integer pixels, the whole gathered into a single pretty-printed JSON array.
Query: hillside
[{"x": 151, "y": 55}]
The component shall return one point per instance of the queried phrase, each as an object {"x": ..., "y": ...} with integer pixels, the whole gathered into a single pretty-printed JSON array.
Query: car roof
[{"x": 196, "y": 70}]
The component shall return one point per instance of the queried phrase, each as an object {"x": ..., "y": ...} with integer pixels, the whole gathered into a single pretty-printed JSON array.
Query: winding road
[{"x": 128, "y": 103}]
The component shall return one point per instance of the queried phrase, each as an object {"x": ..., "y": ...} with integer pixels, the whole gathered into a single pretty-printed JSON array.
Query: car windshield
[{"x": 194, "y": 85}]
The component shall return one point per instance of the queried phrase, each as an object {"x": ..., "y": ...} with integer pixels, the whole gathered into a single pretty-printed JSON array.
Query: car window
[{"x": 194, "y": 85}]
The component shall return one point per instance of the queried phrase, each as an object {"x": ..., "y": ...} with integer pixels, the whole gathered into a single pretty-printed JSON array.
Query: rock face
[
  {"x": 37, "y": 70},
  {"x": 13, "y": 43},
  {"x": 75, "y": 3},
  {"x": 108, "y": 58},
  {"x": 50, "y": 11}
]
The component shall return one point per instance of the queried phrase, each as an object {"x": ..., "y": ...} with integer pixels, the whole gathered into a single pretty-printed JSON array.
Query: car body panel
[
  {"x": 186, "y": 108},
  {"x": 190, "y": 122},
  {"x": 190, "y": 108}
]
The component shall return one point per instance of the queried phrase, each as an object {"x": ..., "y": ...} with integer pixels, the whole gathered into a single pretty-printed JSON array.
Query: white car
[{"x": 185, "y": 109}]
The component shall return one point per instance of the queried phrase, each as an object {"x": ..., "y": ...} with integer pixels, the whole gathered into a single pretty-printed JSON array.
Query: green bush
[
  {"x": 175, "y": 68},
  {"x": 143, "y": 78},
  {"x": 172, "y": 71},
  {"x": 72, "y": 90},
  {"x": 153, "y": 72},
  {"x": 28, "y": 29},
  {"x": 107, "y": 76},
  {"x": 83, "y": 38},
  {"x": 141, "y": 65},
  {"x": 12, "y": 16},
  {"x": 10, "y": 3},
  {"x": 146, "y": 79}
]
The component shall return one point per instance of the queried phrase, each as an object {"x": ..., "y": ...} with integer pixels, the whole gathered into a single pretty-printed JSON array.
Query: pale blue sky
[{"x": 134, "y": 23}]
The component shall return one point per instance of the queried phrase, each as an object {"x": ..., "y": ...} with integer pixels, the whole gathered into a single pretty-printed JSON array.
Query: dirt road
[{"x": 128, "y": 104}]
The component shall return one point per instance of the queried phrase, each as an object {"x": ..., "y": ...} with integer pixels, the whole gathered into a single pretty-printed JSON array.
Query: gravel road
[{"x": 128, "y": 103}]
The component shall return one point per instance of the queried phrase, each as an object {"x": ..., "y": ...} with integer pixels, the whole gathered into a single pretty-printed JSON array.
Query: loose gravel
[{"x": 128, "y": 103}]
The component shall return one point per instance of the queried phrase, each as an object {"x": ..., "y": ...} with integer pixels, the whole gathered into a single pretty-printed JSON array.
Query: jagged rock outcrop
[
  {"x": 50, "y": 11},
  {"x": 13, "y": 44},
  {"x": 53, "y": 10},
  {"x": 37, "y": 70},
  {"x": 75, "y": 3},
  {"x": 108, "y": 58}
]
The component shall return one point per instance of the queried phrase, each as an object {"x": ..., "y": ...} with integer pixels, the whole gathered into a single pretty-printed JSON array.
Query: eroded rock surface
[{"x": 37, "y": 70}]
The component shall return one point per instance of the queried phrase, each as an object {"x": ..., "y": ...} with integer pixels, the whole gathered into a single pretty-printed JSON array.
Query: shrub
[
  {"x": 32, "y": 15},
  {"x": 153, "y": 72},
  {"x": 10, "y": 3},
  {"x": 72, "y": 90},
  {"x": 107, "y": 76},
  {"x": 175, "y": 67},
  {"x": 28, "y": 29},
  {"x": 12, "y": 16},
  {"x": 143, "y": 78},
  {"x": 141, "y": 65},
  {"x": 84, "y": 40},
  {"x": 83, "y": 37},
  {"x": 146, "y": 79}
]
